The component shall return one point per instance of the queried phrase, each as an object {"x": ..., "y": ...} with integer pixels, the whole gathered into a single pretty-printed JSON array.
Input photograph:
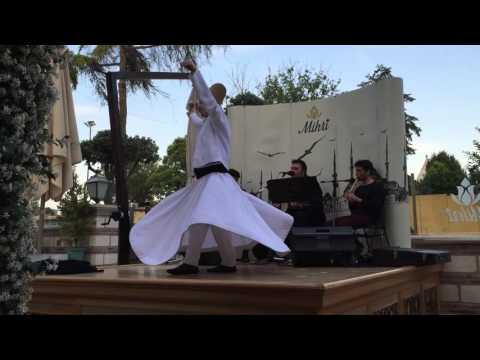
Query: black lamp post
[{"x": 97, "y": 187}]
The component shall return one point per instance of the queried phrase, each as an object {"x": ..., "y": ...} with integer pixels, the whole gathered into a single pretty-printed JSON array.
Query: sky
[{"x": 444, "y": 80}]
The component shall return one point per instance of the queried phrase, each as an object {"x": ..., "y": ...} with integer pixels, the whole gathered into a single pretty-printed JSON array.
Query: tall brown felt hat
[{"x": 219, "y": 92}]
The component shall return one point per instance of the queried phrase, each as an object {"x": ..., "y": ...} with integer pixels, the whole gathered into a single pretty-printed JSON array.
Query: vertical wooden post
[
  {"x": 118, "y": 137},
  {"x": 414, "y": 203},
  {"x": 122, "y": 92},
  {"x": 119, "y": 164}
]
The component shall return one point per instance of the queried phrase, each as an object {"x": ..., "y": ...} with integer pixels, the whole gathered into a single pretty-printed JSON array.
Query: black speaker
[
  {"x": 408, "y": 257},
  {"x": 323, "y": 246}
]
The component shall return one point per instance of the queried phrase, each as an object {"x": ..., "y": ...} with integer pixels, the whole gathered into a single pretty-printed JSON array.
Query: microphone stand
[
  {"x": 335, "y": 183},
  {"x": 405, "y": 167},
  {"x": 387, "y": 163},
  {"x": 351, "y": 161},
  {"x": 335, "y": 186},
  {"x": 261, "y": 184}
]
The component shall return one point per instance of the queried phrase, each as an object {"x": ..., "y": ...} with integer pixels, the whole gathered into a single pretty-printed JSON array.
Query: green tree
[
  {"x": 94, "y": 61},
  {"x": 291, "y": 85},
  {"x": 156, "y": 180},
  {"x": 474, "y": 161},
  {"x": 443, "y": 174},
  {"x": 383, "y": 72},
  {"x": 172, "y": 174},
  {"x": 138, "y": 151},
  {"x": 76, "y": 214},
  {"x": 176, "y": 156},
  {"x": 240, "y": 86},
  {"x": 27, "y": 94},
  {"x": 141, "y": 185},
  {"x": 246, "y": 98}
]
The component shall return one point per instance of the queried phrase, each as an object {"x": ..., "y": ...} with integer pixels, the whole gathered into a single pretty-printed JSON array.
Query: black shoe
[
  {"x": 245, "y": 258},
  {"x": 222, "y": 269},
  {"x": 184, "y": 269}
]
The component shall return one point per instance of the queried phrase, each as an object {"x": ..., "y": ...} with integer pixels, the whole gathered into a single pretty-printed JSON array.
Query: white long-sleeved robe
[{"x": 214, "y": 199}]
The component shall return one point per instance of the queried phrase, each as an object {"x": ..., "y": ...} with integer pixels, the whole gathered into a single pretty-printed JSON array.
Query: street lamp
[
  {"x": 97, "y": 187},
  {"x": 89, "y": 124}
]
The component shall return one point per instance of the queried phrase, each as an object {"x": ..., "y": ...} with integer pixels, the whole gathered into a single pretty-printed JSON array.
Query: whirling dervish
[{"x": 213, "y": 200}]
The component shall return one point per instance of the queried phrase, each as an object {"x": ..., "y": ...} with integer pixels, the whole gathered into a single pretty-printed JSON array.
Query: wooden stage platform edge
[{"x": 277, "y": 290}]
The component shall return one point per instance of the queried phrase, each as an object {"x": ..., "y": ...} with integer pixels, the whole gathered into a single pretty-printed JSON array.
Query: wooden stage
[{"x": 254, "y": 289}]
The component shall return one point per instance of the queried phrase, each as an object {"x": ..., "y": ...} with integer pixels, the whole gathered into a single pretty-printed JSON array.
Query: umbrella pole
[{"x": 39, "y": 241}]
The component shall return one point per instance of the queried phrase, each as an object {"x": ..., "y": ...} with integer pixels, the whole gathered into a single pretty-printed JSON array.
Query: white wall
[{"x": 355, "y": 118}]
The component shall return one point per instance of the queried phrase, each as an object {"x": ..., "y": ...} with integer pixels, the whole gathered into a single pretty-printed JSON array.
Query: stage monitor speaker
[
  {"x": 408, "y": 257},
  {"x": 323, "y": 246}
]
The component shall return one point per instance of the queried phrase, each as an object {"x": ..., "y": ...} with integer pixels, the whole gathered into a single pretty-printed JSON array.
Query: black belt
[{"x": 203, "y": 171}]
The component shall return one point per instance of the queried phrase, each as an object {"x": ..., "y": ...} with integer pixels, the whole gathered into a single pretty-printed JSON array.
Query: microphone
[{"x": 290, "y": 173}]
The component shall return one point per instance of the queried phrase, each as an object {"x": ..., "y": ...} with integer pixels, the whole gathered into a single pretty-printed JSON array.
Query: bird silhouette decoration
[
  {"x": 270, "y": 155},
  {"x": 309, "y": 150},
  {"x": 319, "y": 173}
]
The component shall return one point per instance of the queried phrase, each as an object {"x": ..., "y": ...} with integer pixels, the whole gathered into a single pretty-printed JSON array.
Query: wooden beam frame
[{"x": 118, "y": 148}]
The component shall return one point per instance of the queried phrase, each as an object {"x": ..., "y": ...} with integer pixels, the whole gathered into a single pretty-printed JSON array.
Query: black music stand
[{"x": 294, "y": 189}]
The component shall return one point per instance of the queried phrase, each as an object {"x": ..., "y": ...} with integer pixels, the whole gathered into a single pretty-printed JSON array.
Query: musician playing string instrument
[{"x": 365, "y": 197}]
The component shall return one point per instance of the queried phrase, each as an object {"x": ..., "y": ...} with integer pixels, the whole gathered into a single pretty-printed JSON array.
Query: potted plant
[{"x": 76, "y": 219}]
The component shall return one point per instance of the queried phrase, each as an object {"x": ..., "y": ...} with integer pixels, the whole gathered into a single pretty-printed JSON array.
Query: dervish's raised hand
[{"x": 189, "y": 64}]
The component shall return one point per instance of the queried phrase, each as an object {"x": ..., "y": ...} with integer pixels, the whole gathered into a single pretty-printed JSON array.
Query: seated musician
[
  {"x": 365, "y": 197},
  {"x": 305, "y": 213}
]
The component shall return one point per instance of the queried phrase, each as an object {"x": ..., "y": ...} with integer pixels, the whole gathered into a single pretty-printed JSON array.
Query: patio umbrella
[{"x": 65, "y": 151}]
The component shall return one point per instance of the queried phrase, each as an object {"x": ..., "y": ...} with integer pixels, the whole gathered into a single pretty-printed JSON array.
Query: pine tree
[{"x": 77, "y": 213}]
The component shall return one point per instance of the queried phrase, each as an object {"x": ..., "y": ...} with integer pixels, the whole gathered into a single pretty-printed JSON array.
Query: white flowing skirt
[{"x": 214, "y": 199}]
